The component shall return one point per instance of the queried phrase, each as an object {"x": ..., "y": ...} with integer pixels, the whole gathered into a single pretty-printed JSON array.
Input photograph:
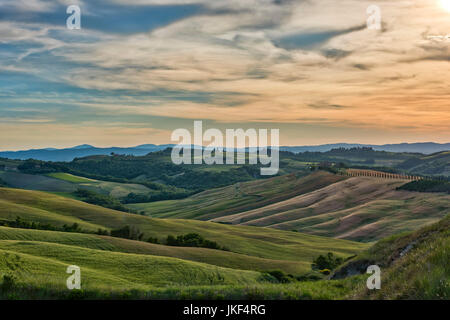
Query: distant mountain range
[{"x": 68, "y": 154}]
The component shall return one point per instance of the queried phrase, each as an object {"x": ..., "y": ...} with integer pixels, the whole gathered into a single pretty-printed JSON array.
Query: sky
[{"x": 139, "y": 69}]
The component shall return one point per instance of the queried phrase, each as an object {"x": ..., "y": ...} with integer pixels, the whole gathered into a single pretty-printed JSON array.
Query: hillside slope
[
  {"x": 64, "y": 182},
  {"x": 266, "y": 243},
  {"x": 208, "y": 256},
  {"x": 33, "y": 262},
  {"x": 359, "y": 208},
  {"x": 433, "y": 164},
  {"x": 36, "y": 182},
  {"x": 239, "y": 197},
  {"x": 413, "y": 265}
]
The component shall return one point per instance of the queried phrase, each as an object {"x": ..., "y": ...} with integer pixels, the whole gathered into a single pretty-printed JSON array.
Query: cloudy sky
[{"x": 139, "y": 69}]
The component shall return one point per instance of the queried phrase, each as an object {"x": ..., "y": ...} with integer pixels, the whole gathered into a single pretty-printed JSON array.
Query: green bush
[
  {"x": 281, "y": 276},
  {"x": 153, "y": 240},
  {"x": 8, "y": 283},
  {"x": 22, "y": 224},
  {"x": 193, "y": 240},
  {"x": 73, "y": 228},
  {"x": 102, "y": 232},
  {"x": 101, "y": 200},
  {"x": 3, "y": 183},
  {"x": 326, "y": 262},
  {"x": 128, "y": 232},
  {"x": 309, "y": 277}
]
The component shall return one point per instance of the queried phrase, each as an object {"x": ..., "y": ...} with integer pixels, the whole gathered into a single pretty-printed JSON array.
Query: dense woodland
[{"x": 427, "y": 186}]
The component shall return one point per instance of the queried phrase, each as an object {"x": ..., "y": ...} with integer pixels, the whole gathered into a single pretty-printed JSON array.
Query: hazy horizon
[{"x": 205, "y": 144}]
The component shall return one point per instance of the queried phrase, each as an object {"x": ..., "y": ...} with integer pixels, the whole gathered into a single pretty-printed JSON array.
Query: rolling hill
[
  {"x": 67, "y": 183},
  {"x": 203, "y": 255},
  {"x": 434, "y": 164},
  {"x": 359, "y": 208},
  {"x": 238, "y": 197},
  {"x": 322, "y": 203},
  {"x": 37, "y": 270},
  {"x": 265, "y": 243},
  {"x": 47, "y": 262},
  {"x": 36, "y": 182},
  {"x": 68, "y": 154},
  {"x": 414, "y": 265}
]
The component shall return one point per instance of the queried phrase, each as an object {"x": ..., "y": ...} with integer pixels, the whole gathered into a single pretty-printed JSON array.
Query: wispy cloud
[{"x": 303, "y": 62}]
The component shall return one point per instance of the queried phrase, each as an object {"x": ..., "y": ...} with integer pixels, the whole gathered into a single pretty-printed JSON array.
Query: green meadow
[
  {"x": 265, "y": 243},
  {"x": 65, "y": 184},
  {"x": 414, "y": 266}
]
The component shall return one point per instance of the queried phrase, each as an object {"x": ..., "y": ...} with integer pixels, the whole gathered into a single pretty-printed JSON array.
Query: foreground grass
[
  {"x": 209, "y": 256},
  {"x": 319, "y": 290},
  {"x": 38, "y": 271},
  {"x": 30, "y": 260},
  {"x": 414, "y": 265}
]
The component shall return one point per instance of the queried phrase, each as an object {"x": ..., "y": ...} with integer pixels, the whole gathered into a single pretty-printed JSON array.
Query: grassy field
[
  {"x": 69, "y": 177},
  {"x": 238, "y": 197},
  {"x": 65, "y": 183},
  {"x": 33, "y": 262},
  {"x": 113, "y": 189},
  {"x": 266, "y": 243},
  {"x": 36, "y": 182},
  {"x": 38, "y": 271},
  {"x": 209, "y": 256},
  {"x": 414, "y": 265},
  {"x": 32, "y": 259}
]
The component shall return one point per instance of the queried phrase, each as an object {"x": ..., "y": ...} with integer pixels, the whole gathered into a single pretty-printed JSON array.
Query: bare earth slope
[
  {"x": 359, "y": 208},
  {"x": 239, "y": 197}
]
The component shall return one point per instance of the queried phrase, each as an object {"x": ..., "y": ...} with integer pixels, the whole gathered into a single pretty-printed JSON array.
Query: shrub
[
  {"x": 102, "y": 232},
  {"x": 101, "y": 200},
  {"x": 171, "y": 241},
  {"x": 73, "y": 228},
  {"x": 3, "y": 183},
  {"x": 280, "y": 276},
  {"x": 193, "y": 240},
  {"x": 127, "y": 232},
  {"x": 326, "y": 262},
  {"x": 20, "y": 223},
  {"x": 309, "y": 277},
  {"x": 267, "y": 277},
  {"x": 8, "y": 283},
  {"x": 153, "y": 240}
]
